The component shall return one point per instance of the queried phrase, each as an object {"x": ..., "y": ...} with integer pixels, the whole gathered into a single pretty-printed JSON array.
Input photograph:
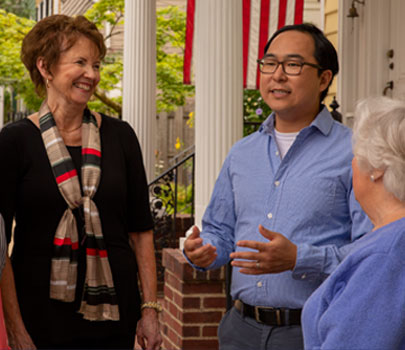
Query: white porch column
[
  {"x": 219, "y": 91},
  {"x": 139, "y": 82},
  {"x": 56, "y": 7},
  {"x": 1, "y": 106}
]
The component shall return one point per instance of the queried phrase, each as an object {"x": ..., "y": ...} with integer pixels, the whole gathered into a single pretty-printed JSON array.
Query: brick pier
[{"x": 194, "y": 303}]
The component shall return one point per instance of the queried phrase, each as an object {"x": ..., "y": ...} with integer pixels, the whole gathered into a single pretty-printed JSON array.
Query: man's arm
[
  {"x": 305, "y": 260},
  {"x": 148, "y": 333},
  {"x": 200, "y": 255},
  {"x": 275, "y": 256},
  {"x": 211, "y": 248}
]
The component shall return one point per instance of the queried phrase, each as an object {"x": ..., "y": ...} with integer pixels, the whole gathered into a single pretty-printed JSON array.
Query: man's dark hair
[{"x": 325, "y": 54}]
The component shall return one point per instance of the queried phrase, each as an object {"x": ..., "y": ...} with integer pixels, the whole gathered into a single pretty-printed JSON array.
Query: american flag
[{"x": 261, "y": 18}]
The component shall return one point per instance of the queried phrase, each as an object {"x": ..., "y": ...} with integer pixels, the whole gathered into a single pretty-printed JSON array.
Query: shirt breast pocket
[{"x": 310, "y": 200}]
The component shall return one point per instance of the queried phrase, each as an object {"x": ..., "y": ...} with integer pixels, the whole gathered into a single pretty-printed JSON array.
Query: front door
[
  {"x": 396, "y": 77},
  {"x": 371, "y": 52}
]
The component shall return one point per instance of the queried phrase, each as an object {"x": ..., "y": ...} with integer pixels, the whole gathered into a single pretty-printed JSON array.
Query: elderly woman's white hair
[{"x": 379, "y": 141}]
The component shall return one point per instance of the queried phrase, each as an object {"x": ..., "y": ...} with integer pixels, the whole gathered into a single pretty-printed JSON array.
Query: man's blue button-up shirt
[{"x": 307, "y": 196}]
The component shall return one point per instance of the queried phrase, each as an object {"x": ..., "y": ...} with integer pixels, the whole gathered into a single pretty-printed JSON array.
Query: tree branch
[
  {"x": 107, "y": 101},
  {"x": 112, "y": 34}
]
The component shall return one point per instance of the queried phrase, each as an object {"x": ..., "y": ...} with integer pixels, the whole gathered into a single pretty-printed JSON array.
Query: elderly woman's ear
[{"x": 376, "y": 174}]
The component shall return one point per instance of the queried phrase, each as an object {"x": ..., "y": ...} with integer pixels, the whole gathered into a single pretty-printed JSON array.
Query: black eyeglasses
[{"x": 290, "y": 67}]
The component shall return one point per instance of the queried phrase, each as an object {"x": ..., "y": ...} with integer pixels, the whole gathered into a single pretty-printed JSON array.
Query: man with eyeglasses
[{"x": 283, "y": 209}]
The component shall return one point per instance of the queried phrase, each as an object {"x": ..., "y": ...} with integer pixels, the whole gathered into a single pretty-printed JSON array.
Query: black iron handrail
[
  {"x": 170, "y": 175},
  {"x": 172, "y": 168},
  {"x": 182, "y": 154},
  {"x": 163, "y": 194}
]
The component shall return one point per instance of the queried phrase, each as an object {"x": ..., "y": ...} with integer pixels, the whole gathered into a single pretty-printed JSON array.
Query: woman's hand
[
  {"x": 20, "y": 340},
  {"x": 18, "y": 337},
  {"x": 147, "y": 330}
]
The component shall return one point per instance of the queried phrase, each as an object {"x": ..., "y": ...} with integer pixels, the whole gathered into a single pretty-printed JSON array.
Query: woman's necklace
[{"x": 69, "y": 131}]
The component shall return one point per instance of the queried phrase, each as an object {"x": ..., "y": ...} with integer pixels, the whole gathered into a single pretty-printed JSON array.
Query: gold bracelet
[{"x": 152, "y": 305}]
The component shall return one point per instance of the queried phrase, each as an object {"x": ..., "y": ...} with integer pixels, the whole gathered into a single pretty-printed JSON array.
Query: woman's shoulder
[
  {"x": 114, "y": 122},
  {"x": 21, "y": 129},
  {"x": 382, "y": 248},
  {"x": 385, "y": 240},
  {"x": 118, "y": 127},
  {"x": 22, "y": 124}
]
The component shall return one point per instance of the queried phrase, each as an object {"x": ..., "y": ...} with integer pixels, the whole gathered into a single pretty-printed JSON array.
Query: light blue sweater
[{"x": 362, "y": 304}]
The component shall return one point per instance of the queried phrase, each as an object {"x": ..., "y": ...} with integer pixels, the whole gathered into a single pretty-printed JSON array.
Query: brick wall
[
  {"x": 162, "y": 240},
  {"x": 194, "y": 303}
]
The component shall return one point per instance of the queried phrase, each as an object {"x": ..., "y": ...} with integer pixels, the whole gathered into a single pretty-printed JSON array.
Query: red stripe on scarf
[
  {"x": 66, "y": 176},
  {"x": 65, "y": 241},
  {"x": 91, "y": 151},
  {"x": 94, "y": 252}
]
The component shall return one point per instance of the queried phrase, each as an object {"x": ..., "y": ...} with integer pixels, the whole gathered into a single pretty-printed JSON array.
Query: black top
[
  {"x": 28, "y": 192},
  {"x": 3, "y": 245}
]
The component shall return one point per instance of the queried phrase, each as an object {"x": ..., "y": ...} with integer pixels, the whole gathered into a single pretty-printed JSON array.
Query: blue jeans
[{"x": 236, "y": 332}]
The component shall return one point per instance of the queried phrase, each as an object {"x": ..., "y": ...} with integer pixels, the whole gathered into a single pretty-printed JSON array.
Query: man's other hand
[
  {"x": 277, "y": 255},
  {"x": 200, "y": 255}
]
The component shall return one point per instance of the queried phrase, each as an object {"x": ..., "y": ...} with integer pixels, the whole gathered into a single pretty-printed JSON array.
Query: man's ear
[
  {"x": 43, "y": 69},
  {"x": 325, "y": 78}
]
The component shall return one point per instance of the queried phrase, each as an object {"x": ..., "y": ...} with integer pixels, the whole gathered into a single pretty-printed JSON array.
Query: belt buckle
[
  {"x": 278, "y": 314},
  {"x": 278, "y": 317},
  {"x": 257, "y": 314}
]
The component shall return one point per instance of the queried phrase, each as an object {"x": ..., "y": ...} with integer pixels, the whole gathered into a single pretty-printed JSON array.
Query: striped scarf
[{"x": 99, "y": 301}]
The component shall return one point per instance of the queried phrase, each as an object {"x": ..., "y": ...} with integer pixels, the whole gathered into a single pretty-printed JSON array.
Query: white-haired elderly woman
[{"x": 362, "y": 304}]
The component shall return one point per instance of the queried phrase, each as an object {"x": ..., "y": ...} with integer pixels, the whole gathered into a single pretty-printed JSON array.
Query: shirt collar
[{"x": 323, "y": 122}]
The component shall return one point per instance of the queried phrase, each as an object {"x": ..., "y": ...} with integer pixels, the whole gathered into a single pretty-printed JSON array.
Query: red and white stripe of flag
[{"x": 261, "y": 18}]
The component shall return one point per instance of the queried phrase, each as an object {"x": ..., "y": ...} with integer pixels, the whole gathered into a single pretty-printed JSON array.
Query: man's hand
[
  {"x": 147, "y": 330},
  {"x": 199, "y": 255},
  {"x": 275, "y": 256}
]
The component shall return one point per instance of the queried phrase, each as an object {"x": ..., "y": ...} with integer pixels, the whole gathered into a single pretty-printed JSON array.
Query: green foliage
[
  {"x": 12, "y": 71},
  {"x": 7, "y": 105},
  {"x": 111, "y": 11},
  {"x": 170, "y": 42},
  {"x": 184, "y": 198},
  {"x": 255, "y": 111},
  {"x": 170, "y": 38},
  {"x": 111, "y": 77},
  {"x": 21, "y": 8}
]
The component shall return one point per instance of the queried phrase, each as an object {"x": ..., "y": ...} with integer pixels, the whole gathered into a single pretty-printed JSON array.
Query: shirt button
[
  {"x": 277, "y": 153},
  {"x": 269, "y": 215},
  {"x": 304, "y": 276},
  {"x": 277, "y": 183},
  {"x": 259, "y": 284}
]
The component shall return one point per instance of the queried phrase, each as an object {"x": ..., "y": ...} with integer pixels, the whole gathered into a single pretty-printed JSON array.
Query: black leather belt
[{"x": 269, "y": 315}]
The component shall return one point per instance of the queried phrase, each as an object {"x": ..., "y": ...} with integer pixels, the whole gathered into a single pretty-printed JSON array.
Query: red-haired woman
[{"x": 75, "y": 183}]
